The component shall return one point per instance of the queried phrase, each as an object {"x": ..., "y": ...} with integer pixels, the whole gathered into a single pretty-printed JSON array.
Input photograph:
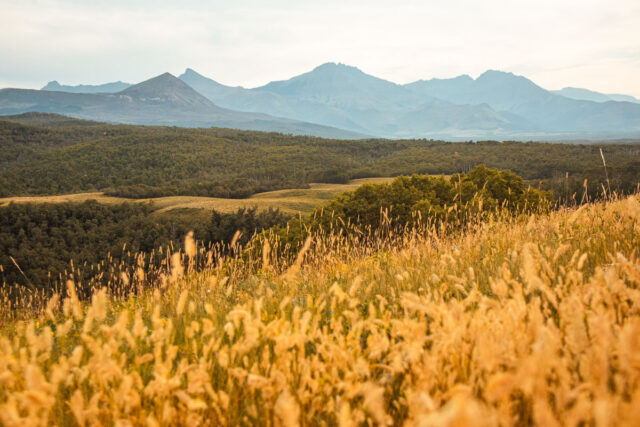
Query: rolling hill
[{"x": 47, "y": 155}]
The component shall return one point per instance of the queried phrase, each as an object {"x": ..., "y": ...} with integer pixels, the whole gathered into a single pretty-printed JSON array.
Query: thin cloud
[{"x": 252, "y": 42}]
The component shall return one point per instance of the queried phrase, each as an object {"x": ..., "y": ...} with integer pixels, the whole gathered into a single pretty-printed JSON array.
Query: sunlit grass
[
  {"x": 525, "y": 320},
  {"x": 289, "y": 201}
]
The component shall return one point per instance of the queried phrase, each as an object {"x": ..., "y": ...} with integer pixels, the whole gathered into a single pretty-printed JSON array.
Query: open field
[
  {"x": 531, "y": 320},
  {"x": 290, "y": 201}
]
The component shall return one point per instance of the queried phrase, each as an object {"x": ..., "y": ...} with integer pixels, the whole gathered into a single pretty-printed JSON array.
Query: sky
[{"x": 582, "y": 43}]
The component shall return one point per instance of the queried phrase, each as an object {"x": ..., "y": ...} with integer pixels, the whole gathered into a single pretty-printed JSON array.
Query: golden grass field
[
  {"x": 532, "y": 320},
  {"x": 289, "y": 201}
]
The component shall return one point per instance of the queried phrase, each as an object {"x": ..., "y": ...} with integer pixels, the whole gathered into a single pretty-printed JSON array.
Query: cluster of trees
[
  {"x": 247, "y": 222},
  {"x": 436, "y": 198},
  {"x": 592, "y": 183},
  {"x": 410, "y": 200},
  {"x": 44, "y": 239},
  {"x": 142, "y": 162}
]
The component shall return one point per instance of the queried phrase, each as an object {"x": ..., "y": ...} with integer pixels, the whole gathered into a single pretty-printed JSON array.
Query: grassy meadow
[
  {"x": 289, "y": 201},
  {"x": 512, "y": 320}
]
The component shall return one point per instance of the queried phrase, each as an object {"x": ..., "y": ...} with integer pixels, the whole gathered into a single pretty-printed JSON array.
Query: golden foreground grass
[
  {"x": 289, "y": 201},
  {"x": 533, "y": 320}
]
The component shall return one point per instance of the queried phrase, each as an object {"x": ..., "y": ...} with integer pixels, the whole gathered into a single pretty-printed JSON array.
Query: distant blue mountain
[
  {"x": 162, "y": 100},
  {"x": 589, "y": 95},
  {"x": 258, "y": 101},
  {"x": 345, "y": 97},
  {"x": 339, "y": 98},
  {"x": 545, "y": 110},
  {"x": 495, "y": 105},
  {"x": 103, "y": 88},
  {"x": 345, "y": 87},
  {"x": 502, "y": 91}
]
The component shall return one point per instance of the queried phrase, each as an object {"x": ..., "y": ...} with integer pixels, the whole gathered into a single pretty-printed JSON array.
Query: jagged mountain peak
[
  {"x": 463, "y": 78},
  {"x": 336, "y": 67},
  {"x": 190, "y": 75},
  {"x": 505, "y": 77},
  {"x": 341, "y": 86},
  {"x": 166, "y": 88},
  {"x": 496, "y": 74},
  {"x": 190, "y": 72},
  {"x": 52, "y": 83}
]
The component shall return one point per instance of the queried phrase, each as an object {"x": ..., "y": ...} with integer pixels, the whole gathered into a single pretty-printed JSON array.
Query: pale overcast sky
[{"x": 584, "y": 43}]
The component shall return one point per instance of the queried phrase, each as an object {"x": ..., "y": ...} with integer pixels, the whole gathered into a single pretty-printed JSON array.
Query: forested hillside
[
  {"x": 39, "y": 243},
  {"x": 42, "y": 243},
  {"x": 136, "y": 161}
]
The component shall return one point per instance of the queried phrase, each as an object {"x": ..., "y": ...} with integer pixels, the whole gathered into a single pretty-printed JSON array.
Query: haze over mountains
[
  {"x": 103, "y": 88},
  {"x": 336, "y": 100},
  {"x": 589, "y": 95},
  {"x": 162, "y": 100}
]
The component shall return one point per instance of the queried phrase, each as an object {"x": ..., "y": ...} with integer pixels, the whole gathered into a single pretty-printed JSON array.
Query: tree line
[
  {"x": 143, "y": 162},
  {"x": 41, "y": 243}
]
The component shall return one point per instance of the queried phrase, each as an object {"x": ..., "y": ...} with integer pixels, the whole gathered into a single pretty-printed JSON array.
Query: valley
[{"x": 319, "y": 214}]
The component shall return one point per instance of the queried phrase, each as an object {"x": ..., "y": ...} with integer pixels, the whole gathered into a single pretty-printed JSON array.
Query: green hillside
[{"x": 138, "y": 161}]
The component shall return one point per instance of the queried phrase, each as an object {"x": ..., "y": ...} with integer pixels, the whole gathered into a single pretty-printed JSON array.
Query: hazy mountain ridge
[
  {"x": 590, "y": 95},
  {"x": 495, "y": 105},
  {"x": 332, "y": 97},
  {"x": 343, "y": 96},
  {"x": 548, "y": 111},
  {"x": 112, "y": 87},
  {"x": 257, "y": 100},
  {"x": 162, "y": 100}
]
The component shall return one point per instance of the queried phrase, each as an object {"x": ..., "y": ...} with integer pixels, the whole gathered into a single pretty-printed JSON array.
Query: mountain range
[
  {"x": 340, "y": 101},
  {"x": 113, "y": 87},
  {"x": 589, "y": 95},
  {"x": 162, "y": 100}
]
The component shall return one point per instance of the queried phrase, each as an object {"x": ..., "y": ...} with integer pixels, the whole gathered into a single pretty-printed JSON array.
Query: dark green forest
[
  {"x": 417, "y": 201},
  {"x": 139, "y": 161},
  {"x": 40, "y": 242},
  {"x": 432, "y": 196},
  {"x": 47, "y": 154},
  {"x": 46, "y": 239}
]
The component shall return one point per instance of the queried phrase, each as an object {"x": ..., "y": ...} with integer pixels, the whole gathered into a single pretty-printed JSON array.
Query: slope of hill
[
  {"x": 291, "y": 201},
  {"x": 510, "y": 322},
  {"x": 141, "y": 161},
  {"x": 49, "y": 120},
  {"x": 162, "y": 100},
  {"x": 102, "y": 88}
]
